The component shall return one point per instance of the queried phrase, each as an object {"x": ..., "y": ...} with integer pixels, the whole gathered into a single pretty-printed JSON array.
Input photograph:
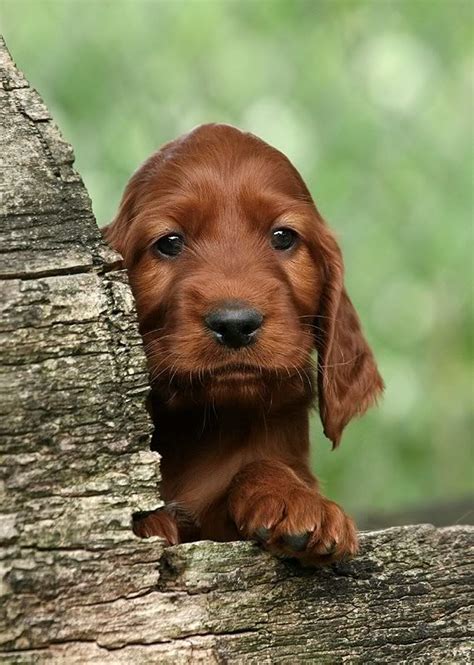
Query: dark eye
[
  {"x": 169, "y": 245},
  {"x": 283, "y": 238}
]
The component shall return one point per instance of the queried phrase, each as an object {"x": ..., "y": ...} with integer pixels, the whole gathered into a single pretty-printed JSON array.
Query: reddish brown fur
[{"x": 233, "y": 423}]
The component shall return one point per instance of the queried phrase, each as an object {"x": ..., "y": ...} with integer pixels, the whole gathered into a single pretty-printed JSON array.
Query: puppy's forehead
[
  {"x": 230, "y": 161},
  {"x": 217, "y": 171}
]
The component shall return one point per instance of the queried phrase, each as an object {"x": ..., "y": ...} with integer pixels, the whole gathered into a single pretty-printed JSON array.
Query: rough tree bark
[{"x": 77, "y": 586}]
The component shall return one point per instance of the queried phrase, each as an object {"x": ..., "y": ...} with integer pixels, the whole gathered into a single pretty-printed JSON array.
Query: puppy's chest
[
  {"x": 200, "y": 480},
  {"x": 198, "y": 466}
]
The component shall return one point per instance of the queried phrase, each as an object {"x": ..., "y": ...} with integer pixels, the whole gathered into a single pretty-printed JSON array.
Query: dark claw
[
  {"x": 263, "y": 533},
  {"x": 331, "y": 548},
  {"x": 298, "y": 541}
]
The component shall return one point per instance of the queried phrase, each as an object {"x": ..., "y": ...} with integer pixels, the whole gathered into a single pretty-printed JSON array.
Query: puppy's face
[{"x": 230, "y": 264}]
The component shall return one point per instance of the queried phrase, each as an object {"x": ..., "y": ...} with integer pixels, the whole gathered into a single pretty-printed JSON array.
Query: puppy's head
[{"x": 237, "y": 279}]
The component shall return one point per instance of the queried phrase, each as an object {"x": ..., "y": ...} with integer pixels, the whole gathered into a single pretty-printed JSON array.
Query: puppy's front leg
[
  {"x": 270, "y": 503},
  {"x": 159, "y": 523},
  {"x": 171, "y": 523}
]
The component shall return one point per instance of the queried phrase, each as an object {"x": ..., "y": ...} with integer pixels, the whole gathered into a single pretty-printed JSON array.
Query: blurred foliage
[{"x": 373, "y": 103}]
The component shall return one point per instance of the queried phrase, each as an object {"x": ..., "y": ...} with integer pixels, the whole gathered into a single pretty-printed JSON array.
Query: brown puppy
[{"x": 237, "y": 279}]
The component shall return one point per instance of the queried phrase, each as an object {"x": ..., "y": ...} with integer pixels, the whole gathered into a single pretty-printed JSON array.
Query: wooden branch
[{"x": 77, "y": 586}]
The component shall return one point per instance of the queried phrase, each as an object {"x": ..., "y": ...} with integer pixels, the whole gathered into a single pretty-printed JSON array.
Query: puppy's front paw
[
  {"x": 296, "y": 522},
  {"x": 156, "y": 523}
]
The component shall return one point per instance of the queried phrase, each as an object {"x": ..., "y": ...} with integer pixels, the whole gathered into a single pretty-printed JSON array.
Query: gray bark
[{"x": 77, "y": 586}]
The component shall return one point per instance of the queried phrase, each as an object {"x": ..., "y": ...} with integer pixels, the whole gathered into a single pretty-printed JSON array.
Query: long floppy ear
[
  {"x": 348, "y": 379},
  {"x": 117, "y": 232},
  {"x": 106, "y": 231}
]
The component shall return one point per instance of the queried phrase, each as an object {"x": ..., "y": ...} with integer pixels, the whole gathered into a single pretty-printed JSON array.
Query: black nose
[{"x": 234, "y": 325}]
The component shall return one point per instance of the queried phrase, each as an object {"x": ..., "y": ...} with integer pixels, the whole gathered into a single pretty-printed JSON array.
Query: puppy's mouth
[
  {"x": 236, "y": 372},
  {"x": 232, "y": 368},
  {"x": 233, "y": 383}
]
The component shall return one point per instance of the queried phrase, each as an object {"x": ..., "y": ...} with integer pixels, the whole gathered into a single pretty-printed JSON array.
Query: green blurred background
[{"x": 372, "y": 101}]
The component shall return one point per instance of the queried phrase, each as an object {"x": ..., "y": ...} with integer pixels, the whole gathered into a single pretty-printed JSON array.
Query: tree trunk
[{"x": 77, "y": 586}]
